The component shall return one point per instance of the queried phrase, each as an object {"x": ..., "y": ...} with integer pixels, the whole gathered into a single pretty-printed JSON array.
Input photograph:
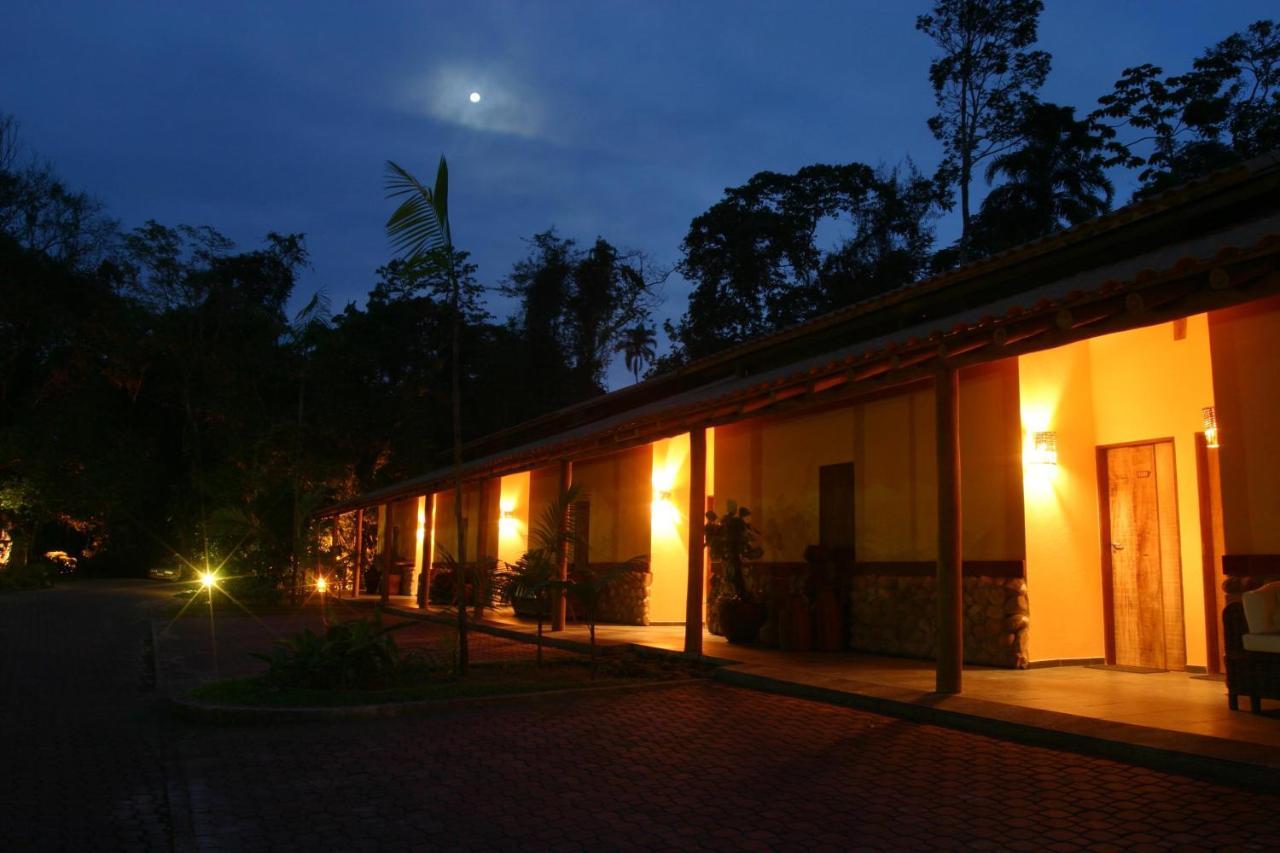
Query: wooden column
[
  {"x": 332, "y": 566},
  {"x": 358, "y": 575},
  {"x": 429, "y": 558},
  {"x": 482, "y": 510},
  {"x": 697, "y": 508},
  {"x": 558, "y": 602},
  {"x": 381, "y": 555},
  {"x": 950, "y": 582}
]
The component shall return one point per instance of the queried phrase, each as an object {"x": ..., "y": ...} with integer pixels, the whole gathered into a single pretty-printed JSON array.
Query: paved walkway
[
  {"x": 82, "y": 744},
  {"x": 88, "y": 765},
  {"x": 1175, "y": 718}
]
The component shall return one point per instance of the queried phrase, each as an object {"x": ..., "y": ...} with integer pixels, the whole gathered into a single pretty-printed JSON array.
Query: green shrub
[
  {"x": 359, "y": 654},
  {"x": 29, "y": 576},
  {"x": 251, "y": 589}
]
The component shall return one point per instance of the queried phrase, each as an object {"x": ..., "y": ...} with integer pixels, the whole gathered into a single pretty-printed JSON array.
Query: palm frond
[{"x": 419, "y": 225}]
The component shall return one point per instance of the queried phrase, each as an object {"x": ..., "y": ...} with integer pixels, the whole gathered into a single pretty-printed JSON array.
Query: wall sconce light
[
  {"x": 507, "y": 522},
  {"x": 664, "y": 509},
  {"x": 1209, "y": 417},
  {"x": 1044, "y": 448}
]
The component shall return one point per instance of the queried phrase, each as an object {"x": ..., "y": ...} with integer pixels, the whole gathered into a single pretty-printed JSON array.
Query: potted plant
[
  {"x": 733, "y": 540},
  {"x": 529, "y": 583}
]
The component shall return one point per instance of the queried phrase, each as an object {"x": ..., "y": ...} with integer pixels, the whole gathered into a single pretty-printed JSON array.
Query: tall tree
[
  {"x": 1054, "y": 179},
  {"x": 575, "y": 306},
  {"x": 1173, "y": 128},
  {"x": 757, "y": 265},
  {"x": 985, "y": 77},
  {"x": 419, "y": 228}
]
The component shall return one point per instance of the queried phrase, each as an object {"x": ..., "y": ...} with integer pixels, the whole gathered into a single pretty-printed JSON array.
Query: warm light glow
[
  {"x": 208, "y": 579},
  {"x": 1209, "y": 416},
  {"x": 321, "y": 584},
  {"x": 1044, "y": 448},
  {"x": 513, "y": 516},
  {"x": 508, "y": 524}
]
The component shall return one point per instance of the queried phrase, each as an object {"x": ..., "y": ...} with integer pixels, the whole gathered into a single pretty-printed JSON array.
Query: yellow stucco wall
[
  {"x": 771, "y": 465},
  {"x": 619, "y": 490},
  {"x": 544, "y": 486},
  {"x": 1246, "y": 363},
  {"x": 1139, "y": 385},
  {"x": 669, "y": 529},
  {"x": 445, "y": 531},
  {"x": 1064, "y": 574},
  {"x": 513, "y": 521}
]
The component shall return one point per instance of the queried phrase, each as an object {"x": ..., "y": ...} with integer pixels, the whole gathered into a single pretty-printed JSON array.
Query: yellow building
[{"x": 1058, "y": 455}]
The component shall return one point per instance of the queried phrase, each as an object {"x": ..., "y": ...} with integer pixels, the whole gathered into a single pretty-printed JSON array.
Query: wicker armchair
[{"x": 1252, "y": 674}]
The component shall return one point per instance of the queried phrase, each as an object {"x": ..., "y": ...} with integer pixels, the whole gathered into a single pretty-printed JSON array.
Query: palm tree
[
  {"x": 419, "y": 230},
  {"x": 1055, "y": 179},
  {"x": 638, "y": 348}
]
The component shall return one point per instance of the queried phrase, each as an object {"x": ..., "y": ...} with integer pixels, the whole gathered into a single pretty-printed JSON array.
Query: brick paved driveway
[{"x": 693, "y": 766}]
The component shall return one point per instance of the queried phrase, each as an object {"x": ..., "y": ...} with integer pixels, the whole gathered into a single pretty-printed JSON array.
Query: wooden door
[
  {"x": 835, "y": 506},
  {"x": 1141, "y": 557}
]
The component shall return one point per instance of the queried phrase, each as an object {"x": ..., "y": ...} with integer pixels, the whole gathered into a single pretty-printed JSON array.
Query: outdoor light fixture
[
  {"x": 1044, "y": 448},
  {"x": 507, "y": 520},
  {"x": 207, "y": 580},
  {"x": 664, "y": 509},
  {"x": 1209, "y": 417},
  {"x": 321, "y": 584}
]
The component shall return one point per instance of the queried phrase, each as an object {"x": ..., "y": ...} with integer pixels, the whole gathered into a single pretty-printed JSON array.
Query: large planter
[
  {"x": 740, "y": 620},
  {"x": 530, "y": 607}
]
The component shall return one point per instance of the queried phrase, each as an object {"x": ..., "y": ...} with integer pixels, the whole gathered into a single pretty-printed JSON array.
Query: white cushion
[
  {"x": 1262, "y": 642},
  {"x": 1262, "y": 607}
]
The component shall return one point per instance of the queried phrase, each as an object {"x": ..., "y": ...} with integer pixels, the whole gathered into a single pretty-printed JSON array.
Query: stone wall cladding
[
  {"x": 626, "y": 600},
  {"x": 898, "y": 616}
]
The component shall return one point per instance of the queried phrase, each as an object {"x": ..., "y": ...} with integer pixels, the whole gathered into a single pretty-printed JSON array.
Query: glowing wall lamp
[
  {"x": 507, "y": 522},
  {"x": 664, "y": 509},
  {"x": 1209, "y": 417},
  {"x": 1044, "y": 448}
]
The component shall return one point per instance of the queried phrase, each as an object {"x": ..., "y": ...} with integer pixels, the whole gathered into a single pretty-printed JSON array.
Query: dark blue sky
[{"x": 623, "y": 119}]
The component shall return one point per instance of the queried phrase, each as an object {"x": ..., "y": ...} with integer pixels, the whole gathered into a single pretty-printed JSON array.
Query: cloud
[{"x": 504, "y": 107}]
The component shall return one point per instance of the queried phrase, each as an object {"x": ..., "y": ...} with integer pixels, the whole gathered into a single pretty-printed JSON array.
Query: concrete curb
[
  {"x": 206, "y": 712},
  {"x": 1216, "y": 759}
]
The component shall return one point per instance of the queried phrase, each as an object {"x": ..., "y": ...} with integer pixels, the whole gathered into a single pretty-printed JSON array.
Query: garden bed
[{"x": 254, "y": 698}]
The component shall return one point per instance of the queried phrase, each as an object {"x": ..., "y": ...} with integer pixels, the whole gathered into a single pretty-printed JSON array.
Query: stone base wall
[
  {"x": 626, "y": 600},
  {"x": 898, "y": 616}
]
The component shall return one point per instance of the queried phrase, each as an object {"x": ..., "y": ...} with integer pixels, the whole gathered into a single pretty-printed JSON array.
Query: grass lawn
[{"x": 484, "y": 679}]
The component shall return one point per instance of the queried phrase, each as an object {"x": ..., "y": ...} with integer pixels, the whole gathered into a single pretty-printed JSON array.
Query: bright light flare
[
  {"x": 321, "y": 584},
  {"x": 208, "y": 579},
  {"x": 474, "y": 97}
]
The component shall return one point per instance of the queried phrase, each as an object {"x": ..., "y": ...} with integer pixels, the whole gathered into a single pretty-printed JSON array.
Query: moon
[{"x": 474, "y": 97}]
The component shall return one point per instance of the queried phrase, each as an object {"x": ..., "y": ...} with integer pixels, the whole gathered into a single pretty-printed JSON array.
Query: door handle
[{"x": 1115, "y": 547}]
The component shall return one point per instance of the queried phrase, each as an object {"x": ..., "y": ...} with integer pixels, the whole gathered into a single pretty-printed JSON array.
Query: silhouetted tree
[
  {"x": 756, "y": 264},
  {"x": 575, "y": 307},
  {"x": 1177, "y": 127},
  {"x": 1054, "y": 179},
  {"x": 637, "y": 347},
  {"x": 985, "y": 77}
]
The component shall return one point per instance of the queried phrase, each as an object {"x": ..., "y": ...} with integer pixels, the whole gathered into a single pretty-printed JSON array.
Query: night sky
[{"x": 623, "y": 120}]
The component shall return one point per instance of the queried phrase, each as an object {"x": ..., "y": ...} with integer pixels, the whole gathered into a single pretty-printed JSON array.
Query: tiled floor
[{"x": 1170, "y": 701}]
